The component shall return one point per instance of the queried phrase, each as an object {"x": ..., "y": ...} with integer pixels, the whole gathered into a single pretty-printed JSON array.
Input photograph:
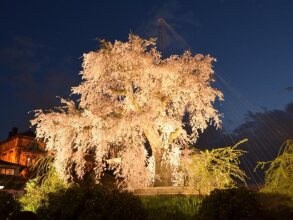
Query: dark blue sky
[{"x": 41, "y": 43}]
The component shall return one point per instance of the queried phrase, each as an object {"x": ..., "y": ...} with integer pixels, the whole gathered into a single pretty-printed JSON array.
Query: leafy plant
[
  {"x": 214, "y": 169},
  {"x": 279, "y": 172},
  {"x": 37, "y": 189}
]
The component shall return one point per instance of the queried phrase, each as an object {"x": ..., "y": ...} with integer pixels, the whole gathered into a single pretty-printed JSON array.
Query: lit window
[
  {"x": 2, "y": 171},
  {"x": 9, "y": 172}
]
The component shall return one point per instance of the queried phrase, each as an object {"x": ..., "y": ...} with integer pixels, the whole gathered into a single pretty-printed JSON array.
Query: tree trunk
[{"x": 161, "y": 170}]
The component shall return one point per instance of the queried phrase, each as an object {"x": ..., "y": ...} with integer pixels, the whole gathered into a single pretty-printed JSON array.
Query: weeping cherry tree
[{"x": 130, "y": 113}]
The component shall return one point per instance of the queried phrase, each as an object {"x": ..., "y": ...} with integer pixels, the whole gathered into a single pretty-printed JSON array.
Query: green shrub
[
  {"x": 45, "y": 180},
  {"x": 214, "y": 169},
  {"x": 171, "y": 206},
  {"x": 91, "y": 203},
  {"x": 279, "y": 174},
  {"x": 37, "y": 190},
  {"x": 8, "y": 205},
  {"x": 235, "y": 203}
]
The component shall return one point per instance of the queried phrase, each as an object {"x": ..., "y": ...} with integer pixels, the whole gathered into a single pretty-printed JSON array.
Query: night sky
[{"x": 42, "y": 42}]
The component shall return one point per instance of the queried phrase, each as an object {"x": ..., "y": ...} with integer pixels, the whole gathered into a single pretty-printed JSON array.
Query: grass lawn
[{"x": 171, "y": 206}]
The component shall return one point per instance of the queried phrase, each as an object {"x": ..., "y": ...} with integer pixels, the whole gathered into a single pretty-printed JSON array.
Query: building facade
[{"x": 21, "y": 149}]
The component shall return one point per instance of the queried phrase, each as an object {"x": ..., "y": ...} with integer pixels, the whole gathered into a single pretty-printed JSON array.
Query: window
[{"x": 9, "y": 172}]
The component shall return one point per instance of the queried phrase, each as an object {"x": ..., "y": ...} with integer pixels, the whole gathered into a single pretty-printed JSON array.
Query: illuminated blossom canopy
[{"x": 130, "y": 112}]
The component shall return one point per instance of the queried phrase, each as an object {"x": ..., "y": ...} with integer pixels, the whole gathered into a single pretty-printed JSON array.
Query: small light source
[{"x": 1, "y": 187}]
